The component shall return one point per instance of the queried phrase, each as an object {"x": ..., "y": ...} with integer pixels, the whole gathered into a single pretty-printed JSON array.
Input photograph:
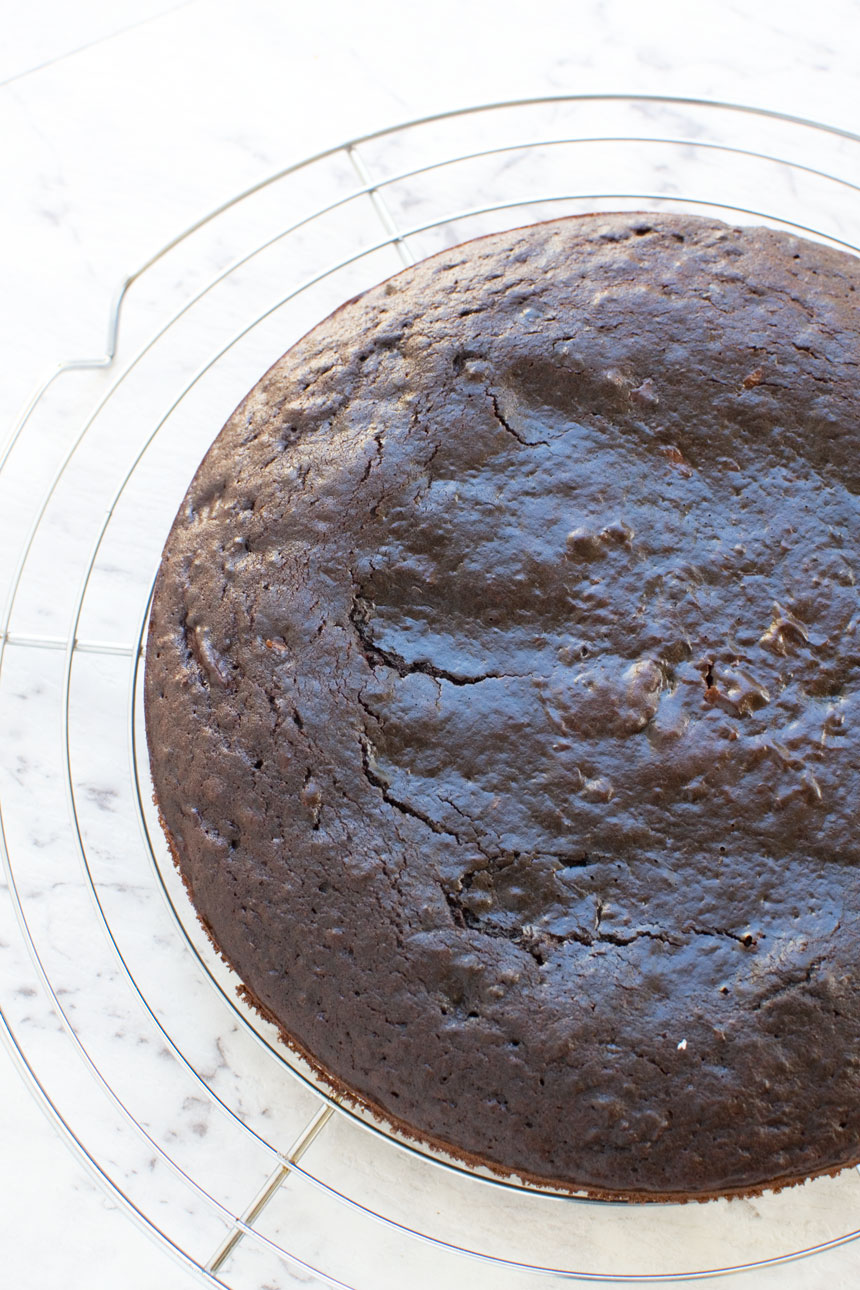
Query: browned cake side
[{"x": 501, "y": 694}]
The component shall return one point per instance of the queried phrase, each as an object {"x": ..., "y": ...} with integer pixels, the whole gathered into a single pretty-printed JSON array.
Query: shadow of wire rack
[{"x": 176, "y": 1096}]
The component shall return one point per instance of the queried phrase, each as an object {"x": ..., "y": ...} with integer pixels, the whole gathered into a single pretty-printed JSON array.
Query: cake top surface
[{"x": 501, "y": 695}]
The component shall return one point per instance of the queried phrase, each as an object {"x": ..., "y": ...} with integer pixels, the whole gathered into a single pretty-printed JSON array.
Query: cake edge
[{"x": 536, "y": 1184}]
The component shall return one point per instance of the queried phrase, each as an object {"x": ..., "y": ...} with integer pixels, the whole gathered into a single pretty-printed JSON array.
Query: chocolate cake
[{"x": 502, "y": 691}]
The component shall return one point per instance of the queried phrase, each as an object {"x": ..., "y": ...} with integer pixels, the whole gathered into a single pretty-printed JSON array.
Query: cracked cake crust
[{"x": 500, "y": 693}]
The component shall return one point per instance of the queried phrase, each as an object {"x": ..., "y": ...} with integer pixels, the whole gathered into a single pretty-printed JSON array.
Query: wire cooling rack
[{"x": 124, "y": 1022}]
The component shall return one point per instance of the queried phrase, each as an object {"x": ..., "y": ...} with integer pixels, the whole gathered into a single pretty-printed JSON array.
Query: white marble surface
[{"x": 120, "y": 124}]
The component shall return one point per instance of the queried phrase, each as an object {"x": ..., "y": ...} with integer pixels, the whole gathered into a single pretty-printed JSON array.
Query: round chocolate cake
[{"x": 502, "y": 703}]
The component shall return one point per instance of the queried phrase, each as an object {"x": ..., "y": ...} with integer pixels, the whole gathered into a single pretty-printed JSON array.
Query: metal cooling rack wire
[
  {"x": 269, "y": 1192},
  {"x": 656, "y": 100},
  {"x": 71, "y": 644},
  {"x": 280, "y": 1174},
  {"x": 396, "y": 238},
  {"x": 240, "y": 1224}
]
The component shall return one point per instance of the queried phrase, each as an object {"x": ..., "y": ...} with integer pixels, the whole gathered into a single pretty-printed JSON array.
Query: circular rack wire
[{"x": 176, "y": 1096}]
